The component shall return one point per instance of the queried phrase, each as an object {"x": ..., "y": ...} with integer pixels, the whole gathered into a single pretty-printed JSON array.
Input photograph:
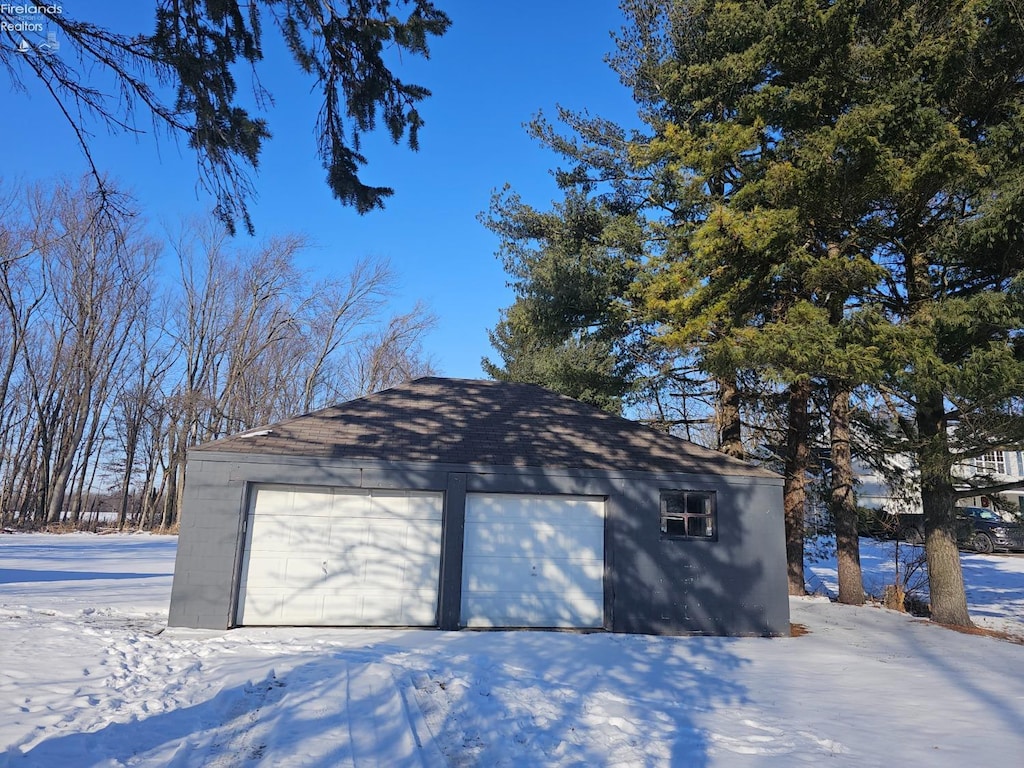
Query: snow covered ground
[{"x": 86, "y": 680}]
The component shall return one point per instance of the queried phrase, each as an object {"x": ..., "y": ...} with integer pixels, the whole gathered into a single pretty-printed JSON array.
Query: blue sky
[{"x": 496, "y": 68}]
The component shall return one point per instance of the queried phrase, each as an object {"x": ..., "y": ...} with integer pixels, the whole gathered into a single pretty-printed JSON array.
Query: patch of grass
[{"x": 998, "y": 634}]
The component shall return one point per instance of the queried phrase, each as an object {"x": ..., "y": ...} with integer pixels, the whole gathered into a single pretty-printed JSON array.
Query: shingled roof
[{"x": 481, "y": 423}]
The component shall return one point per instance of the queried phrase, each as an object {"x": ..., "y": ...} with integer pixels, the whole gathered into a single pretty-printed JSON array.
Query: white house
[
  {"x": 898, "y": 491},
  {"x": 995, "y": 467}
]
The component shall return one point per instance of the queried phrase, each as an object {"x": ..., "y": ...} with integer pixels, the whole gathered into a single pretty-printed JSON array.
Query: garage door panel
[
  {"x": 327, "y": 608},
  {"x": 423, "y": 508},
  {"x": 305, "y": 572},
  {"x": 555, "y": 576},
  {"x": 305, "y": 532},
  {"x": 520, "y": 610},
  {"x": 397, "y": 507},
  {"x": 357, "y": 510},
  {"x": 312, "y": 503},
  {"x": 513, "y": 508},
  {"x": 273, "y": 501},
  {"x": 422, "y": 540},
  {"x": 341, "y": 558},
  {"x": 262, "y": 606},
  {"x": 270, "y": 573},
  {"x": 276, "y": 605},
  {"x": 533, "y": 561},
  {"x": 386, "y": 505},
  {"x": 285, "y": 533},
  {"x": 379, "y": 609},
  {"x": 341, "y": 585},
  {"x": 298, "y": 573},
  {"x": 388, "y": 539},
  {"x": 415, "y": 612},
  {"x": 270, "y": 536},
  {"x": 537, "y": 540},
  {"x": 385, "y": 576},
  {"x": 387, "y": 533},
  {"x": 346, "y": 533}
]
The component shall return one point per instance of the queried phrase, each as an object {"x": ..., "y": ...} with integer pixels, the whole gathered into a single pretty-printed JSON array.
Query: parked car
[
  {"x": 882, "y": 524},
  {"x": 910, "y": 528},
  {"x": 985, "y": 530}
]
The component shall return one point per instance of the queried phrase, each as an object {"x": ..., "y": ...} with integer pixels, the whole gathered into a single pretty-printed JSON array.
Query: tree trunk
[
  {"x": 131, "y": 445},
  {"x": 57, "y": 493},
  {"x": 17, "y": 455},
  {"x": 79, "y": 496},
  {"x": 843, "y": 501},
  {"x": 168, "y": 497},
  {"x": 729, "y": 431},
  {"x": 27, "y": 490},
  {"x": 64, "y": 462},
  {"x": 794, "y": 488},
  {"x": 150, "y": 502},
  {"x": 174, "y": 489},
  {"x": 42, "y": 484},
  {"x": 945, "y": 576}
]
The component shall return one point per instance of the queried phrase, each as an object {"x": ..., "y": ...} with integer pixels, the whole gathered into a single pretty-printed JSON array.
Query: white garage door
[
  {"x": 533, "y": 561},
  {"x": 333, "y": 557}
]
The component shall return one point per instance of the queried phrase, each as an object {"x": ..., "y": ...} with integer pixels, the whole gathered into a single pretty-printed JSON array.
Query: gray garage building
[{"x": 456, "y": 503}]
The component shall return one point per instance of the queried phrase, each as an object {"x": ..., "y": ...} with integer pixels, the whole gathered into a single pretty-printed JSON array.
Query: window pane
[
  {"x": 674, "y": 526},
  {"x": 699, "y": 526},
  {"x": 698, "y": 504},
  {"x": 991, "y": 461},
  {"x": 673, "y": 503}
]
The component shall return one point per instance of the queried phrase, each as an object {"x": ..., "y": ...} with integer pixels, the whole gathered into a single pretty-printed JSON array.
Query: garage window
[{"x": 688, "y": 515}]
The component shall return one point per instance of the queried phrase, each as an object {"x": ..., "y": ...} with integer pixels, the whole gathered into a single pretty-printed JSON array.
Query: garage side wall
[
  {"x": 208, "y": 544},
  {"x": 734, "y": 584}
]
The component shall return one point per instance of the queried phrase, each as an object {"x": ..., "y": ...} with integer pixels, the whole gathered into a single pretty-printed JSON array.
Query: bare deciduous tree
[
  {"x": 110, "y": 379},
  {"x": 78, "y": 291},
  {"x": 391, "y": 354}
]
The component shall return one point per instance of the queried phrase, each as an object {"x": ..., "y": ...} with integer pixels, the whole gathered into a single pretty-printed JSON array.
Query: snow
[{"x": 91, "y": 678}]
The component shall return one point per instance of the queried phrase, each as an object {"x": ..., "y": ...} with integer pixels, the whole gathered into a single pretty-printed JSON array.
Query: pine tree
[
  {"x": 950, "y": 99},
  {"x": 763, "y": 252},
  {"x": 847, "y": 158},
  {"x": 570, "y": 267}
]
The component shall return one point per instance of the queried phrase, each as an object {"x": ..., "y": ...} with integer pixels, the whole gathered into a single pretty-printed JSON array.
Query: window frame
[
  {"x": 991, "y": 461},
  {"x": 685, "y": 517}
]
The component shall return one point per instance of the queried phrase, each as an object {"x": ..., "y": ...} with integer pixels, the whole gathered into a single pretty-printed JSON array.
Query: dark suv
[{"x": 984, "y": 530}]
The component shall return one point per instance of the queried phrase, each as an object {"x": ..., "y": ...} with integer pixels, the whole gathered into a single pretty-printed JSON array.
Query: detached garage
[{"x": 455, "y": 503}]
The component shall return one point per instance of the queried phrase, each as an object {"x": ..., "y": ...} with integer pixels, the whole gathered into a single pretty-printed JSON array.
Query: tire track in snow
[
  {"x": 240, "y": 736},
  {"x": 493, "y": 713},
  {"x": 750, "y": 733}
]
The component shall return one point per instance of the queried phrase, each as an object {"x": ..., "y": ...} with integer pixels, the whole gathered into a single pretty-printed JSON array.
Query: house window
[
  {"x": 688, "y": 515},
  {"x": 991, "y": 461}
]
